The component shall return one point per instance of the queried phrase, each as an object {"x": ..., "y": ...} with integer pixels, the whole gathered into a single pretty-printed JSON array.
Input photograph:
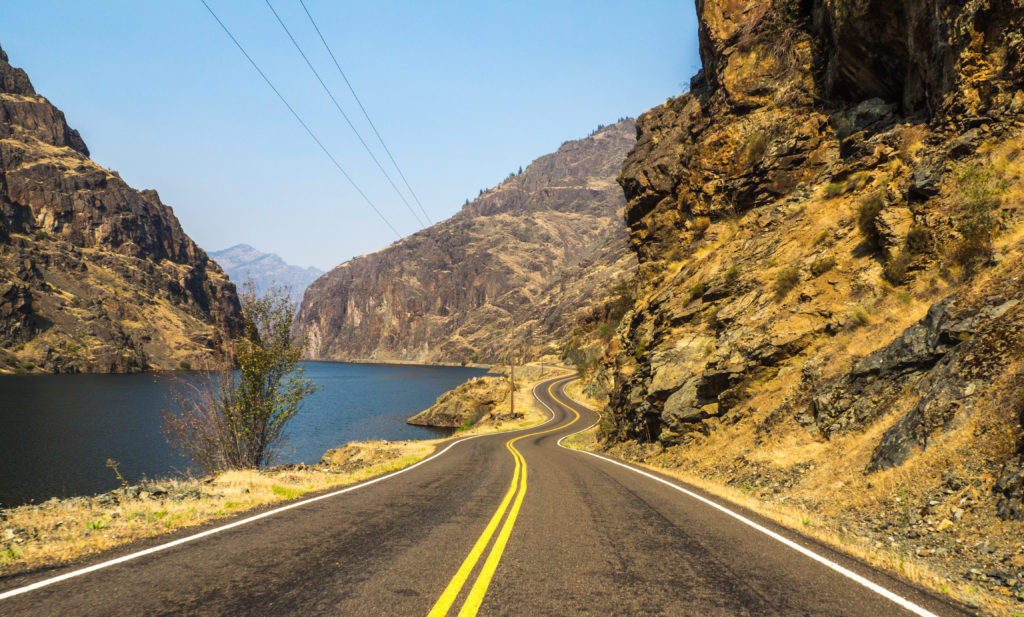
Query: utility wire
[
  {"x": 343, "y": 114},
  {"x": 365, "y": 114},
  {"x": 297, "y": 117}
]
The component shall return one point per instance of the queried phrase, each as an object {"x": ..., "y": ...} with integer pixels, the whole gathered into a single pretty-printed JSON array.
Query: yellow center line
[
  {"x": 455, "y": 586},
  {"x": 483, "y": 581}
]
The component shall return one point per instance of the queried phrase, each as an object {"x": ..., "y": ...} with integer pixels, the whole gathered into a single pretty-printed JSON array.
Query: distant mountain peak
[{"x": 243, "y": 263}]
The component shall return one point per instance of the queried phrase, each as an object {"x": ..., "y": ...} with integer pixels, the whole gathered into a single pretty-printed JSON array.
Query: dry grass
[
  {"x": 57, "y": 531},
  {"x": 527, "y": 377}
]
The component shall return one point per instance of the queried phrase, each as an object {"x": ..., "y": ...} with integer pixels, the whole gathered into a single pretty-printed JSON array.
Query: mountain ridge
[
  {"x": 492, "y": 281},
  {"x": 94, "y": 276}
]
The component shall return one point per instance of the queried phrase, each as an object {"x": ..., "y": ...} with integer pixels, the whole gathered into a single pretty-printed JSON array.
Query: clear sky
[{"x": 462, "y": 92}]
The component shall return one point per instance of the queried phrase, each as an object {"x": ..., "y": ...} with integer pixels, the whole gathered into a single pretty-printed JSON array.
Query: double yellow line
[{"x": 514, "y": 496}]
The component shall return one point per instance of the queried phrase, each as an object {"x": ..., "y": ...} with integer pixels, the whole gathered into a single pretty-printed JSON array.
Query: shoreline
[
  {"x": 57, "y": 531},
  {"x": 128, "y": 407}
]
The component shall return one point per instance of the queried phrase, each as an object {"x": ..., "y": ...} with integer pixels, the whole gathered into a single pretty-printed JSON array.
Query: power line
[
  {"x": 297, "y": 117},
  {"x": 367, "y": 115},
  {"x": 344, "y": 115}
]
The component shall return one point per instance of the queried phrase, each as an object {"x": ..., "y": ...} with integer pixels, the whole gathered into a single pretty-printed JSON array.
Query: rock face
[
  {"x": 94, "y": 275},
  {"x": 814, "y": 224},
  {"x": 466, "y": 404},
  {"x": 243, "y": 263},
  {"x": 503, "y": 276}
]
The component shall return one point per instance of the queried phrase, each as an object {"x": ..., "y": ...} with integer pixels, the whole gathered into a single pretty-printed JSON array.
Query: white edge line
[
  {"x": 882, "y": 591},
  {"x": 244, "y": 521}
]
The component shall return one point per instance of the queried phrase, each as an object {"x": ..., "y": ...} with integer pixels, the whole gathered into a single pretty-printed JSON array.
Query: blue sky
[{"x": 463, "y": 93}]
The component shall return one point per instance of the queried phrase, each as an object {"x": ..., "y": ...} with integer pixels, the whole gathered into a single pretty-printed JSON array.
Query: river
[{"x": 57, "y": 431}]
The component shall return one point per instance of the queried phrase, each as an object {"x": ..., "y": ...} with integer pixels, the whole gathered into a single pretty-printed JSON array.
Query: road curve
[{"x": 504, "y": 524}]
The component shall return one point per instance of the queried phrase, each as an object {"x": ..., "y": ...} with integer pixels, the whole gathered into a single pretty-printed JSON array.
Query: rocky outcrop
[
  {"x": 502, "y": 277},
  {"x": 244, "y": 264},
  {"x": 943, "y": 363},
  {"x": 1010, "y": 489},
  {"x": 465, "y": 405},
  {"x": 794, "y": 113},
  {"x": 94, "y": 275}
]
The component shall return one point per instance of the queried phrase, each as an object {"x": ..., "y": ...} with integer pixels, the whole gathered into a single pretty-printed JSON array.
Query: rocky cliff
[
  {"x": 243, "y": 263},
  {"x": 829, "y": 296},
  {"x": 94, "y": 275},
  {"x": 503, "y": 276}
]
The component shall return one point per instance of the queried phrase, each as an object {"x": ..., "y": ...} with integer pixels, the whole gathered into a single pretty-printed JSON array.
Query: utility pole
[
  {"x": 512, "y": 372},
  {"x": 512, "y": 389}
]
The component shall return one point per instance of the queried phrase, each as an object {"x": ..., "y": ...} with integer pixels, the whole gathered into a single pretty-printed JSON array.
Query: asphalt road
[{"x": 505, "y": 524}]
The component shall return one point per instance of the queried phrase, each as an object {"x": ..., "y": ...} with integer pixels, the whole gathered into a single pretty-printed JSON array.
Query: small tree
[
  {"x": 233, "y": 417},
  {"x": 981, "y": 187}
]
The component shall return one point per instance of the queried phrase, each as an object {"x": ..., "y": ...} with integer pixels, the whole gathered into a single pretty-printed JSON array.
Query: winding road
[{"x": 501, "y": 524}]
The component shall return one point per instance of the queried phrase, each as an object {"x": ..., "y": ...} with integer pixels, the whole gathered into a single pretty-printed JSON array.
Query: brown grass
[{"x": 57, "y": 531}]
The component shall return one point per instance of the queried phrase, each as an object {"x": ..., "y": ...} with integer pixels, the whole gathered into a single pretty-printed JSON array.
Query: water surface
[{"x": 57, "y": 431}]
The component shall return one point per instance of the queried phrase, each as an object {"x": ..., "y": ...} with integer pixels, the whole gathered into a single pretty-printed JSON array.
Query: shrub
[
  {"x": 700, "y": 225},
  {"x": 856, "y": 181},
  {"x": 833, "y": 189},
  {"x": 860, "y": 316},
  {"x": 641, "y": 350},
  {"x": 622, "y": 299},
  {"x": 755, "y": 148},
  {"x": 697, "y": 291},
  {"x": 867, "y": 213},
  {"x": 895, "y": 270},
  {"x": 822, "y": 265},
  {"x": 606, "y": 329},
  {"x": 785, "y": 280},
  {"x": 732, "y": 273},
  {"x": 711, "y": 315},
  {"x": 28, "y": 366},
  {"x": 974, "y": 249},
  {"x": 41, "y": 235},
  {"x": 818, "y": 239},
  {"x": 919, "y": 238},
  {"x": 235, "y": 419},
  {"x": 981, "y": 187}
]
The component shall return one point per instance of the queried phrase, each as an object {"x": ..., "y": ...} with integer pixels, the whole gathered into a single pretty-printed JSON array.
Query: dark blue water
[{"x": 57, "y": 431}]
